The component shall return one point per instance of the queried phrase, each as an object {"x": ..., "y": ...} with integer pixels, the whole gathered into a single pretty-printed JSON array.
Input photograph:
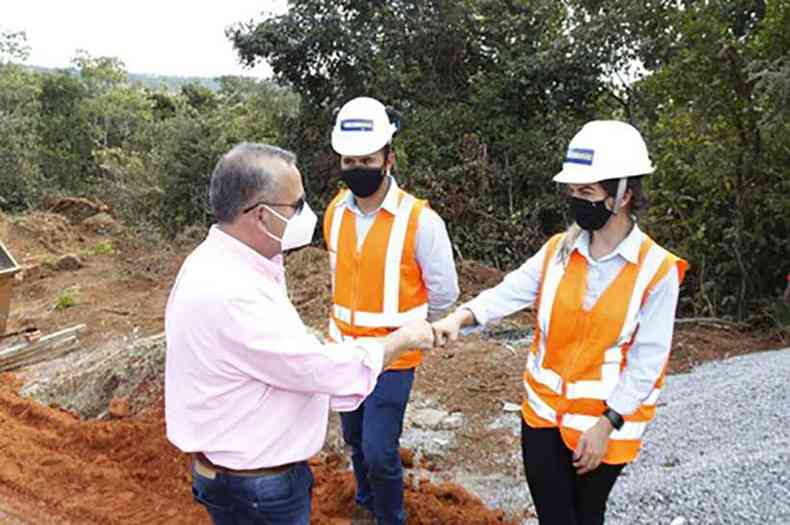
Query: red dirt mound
[
  {"x": 426, "y": 503},
  {"x": 126, "y": 472}
]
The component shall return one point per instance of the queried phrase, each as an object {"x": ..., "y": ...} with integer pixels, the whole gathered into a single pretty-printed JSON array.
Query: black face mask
[
  {"x": 363, "y": 182},
  {"x": 590, "y": 215}
]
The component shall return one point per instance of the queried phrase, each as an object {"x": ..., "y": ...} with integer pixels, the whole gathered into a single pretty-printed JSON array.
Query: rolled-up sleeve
[
  {"x": 434, "y": 254},
  {"x": 272, "y": 349},
  {"x": 517, "y": 291},
  {"x": 650, "y": 349}
]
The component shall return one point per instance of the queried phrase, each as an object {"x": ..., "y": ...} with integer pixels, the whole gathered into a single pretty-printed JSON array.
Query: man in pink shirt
[{"x": 247, "y": 388}]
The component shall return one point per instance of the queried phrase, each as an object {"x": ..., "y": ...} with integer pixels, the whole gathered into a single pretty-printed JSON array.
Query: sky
[{"x": 165, "y": 37}]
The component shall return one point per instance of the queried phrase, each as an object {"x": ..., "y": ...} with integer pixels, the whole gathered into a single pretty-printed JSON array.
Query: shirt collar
[
  {"x": 389, "y": 204},
  {"x": 628, "y": 248},
  {"x": 273, "y": 268}
]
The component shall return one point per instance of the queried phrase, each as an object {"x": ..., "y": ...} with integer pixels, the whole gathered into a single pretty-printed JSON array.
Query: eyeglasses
[{"x": 298, "y": 205}]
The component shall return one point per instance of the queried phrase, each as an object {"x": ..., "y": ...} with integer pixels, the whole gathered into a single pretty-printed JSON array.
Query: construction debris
[{"x": 26, "y": 353}]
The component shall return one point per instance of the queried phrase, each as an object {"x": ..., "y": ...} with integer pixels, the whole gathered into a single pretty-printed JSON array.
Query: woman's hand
[
  {"x": 592, "y": 446},
  {"x": 447, "y": 329}
]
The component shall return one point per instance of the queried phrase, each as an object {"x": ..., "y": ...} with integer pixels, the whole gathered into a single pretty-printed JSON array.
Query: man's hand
[
  {"x": 592, "y": 446},
  {"x": 447, "y": 329},
  {"x": 419, "y": 334}
]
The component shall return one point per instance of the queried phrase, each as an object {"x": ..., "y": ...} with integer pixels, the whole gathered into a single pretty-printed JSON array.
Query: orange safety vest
[
  {"x": 378, "y": 288},
  {"x": 577, "y": 356}
]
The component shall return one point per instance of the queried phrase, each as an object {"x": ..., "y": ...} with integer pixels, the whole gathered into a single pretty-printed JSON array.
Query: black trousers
[{"x": 561, "y": 496}]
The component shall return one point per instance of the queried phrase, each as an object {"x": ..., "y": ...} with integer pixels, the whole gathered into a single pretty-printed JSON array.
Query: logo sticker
[
  {"x": 356, "y": 124},
  {"x": 580, "y": 156}
]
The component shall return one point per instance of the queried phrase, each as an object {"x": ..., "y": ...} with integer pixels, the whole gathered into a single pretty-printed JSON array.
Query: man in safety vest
[
  {"x": 391, "y": 262},
  {"x": 605, "y": 295}
]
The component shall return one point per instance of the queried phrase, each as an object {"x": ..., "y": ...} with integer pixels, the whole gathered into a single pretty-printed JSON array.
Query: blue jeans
[
  {"x": 277, "y": 499},
  {"x": 373, "y": 431}
]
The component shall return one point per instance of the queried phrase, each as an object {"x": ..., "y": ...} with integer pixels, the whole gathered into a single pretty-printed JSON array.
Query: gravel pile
[{"x": 718, "y": 451}]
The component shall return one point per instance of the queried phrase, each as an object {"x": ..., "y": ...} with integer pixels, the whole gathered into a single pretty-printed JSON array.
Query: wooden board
[{"x": 48, "y": 347}]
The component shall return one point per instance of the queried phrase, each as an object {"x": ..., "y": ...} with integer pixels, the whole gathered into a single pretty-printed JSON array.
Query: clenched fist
[
  {"x": 447, "y": 329},
  {"x": 419, "y": 334}
]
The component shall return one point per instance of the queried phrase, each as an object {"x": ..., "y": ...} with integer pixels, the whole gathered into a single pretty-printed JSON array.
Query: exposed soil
[
  {"x": 58, "y": 468},
  {"x": 122, "y": 286},
  {"x": 55, "y": 465}
]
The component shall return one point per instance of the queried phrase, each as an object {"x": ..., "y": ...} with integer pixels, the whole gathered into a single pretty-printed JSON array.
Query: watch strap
[{"x": 614, "y": 418}]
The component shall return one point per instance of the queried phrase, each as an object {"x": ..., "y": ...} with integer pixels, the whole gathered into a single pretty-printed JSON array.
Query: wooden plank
[
  {"x": 153, "y": 339},
  {"x": 53, "y": 351},
  {"x": 36, "y": 351}
]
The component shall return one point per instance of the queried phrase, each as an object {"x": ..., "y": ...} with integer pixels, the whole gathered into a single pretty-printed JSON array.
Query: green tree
[
  {"x": 65, "y": 156},
  {"x": 100, "y": 74},
  {"x": 489, "y": 91},
  {"x": 199, "y": 97},
  {"x": 723, "y": 177},
  {"x": 20, "y": 178}
]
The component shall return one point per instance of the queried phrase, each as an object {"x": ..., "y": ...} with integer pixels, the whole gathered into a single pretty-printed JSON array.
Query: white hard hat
[
  {"x": 362, "y": 127},
  {"x": 602, "y": 150}
]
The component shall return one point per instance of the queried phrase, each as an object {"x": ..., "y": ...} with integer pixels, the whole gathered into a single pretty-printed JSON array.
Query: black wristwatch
[{"x": 614, "y": 418}]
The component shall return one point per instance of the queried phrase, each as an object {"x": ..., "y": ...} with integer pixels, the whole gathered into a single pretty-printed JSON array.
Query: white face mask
[{"x": 299, "y": 229}]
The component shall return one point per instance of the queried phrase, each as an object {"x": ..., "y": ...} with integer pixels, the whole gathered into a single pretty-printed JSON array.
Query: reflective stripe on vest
[
  {"x": 375, "y": 320},
  {"x": 337, "y": 220},
  {"x": 630, "y": 431}
]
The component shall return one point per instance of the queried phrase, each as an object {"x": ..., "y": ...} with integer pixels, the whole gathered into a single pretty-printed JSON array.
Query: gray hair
[{"x": 241, "y": 175}]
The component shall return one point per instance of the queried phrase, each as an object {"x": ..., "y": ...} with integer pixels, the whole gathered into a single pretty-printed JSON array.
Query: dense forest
[
  {"x": 170, "y": 83},
  {"x": 490, "y": 92}
]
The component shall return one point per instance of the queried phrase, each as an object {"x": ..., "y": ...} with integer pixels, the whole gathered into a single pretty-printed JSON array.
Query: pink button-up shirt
[{"x": 245, "y": 382}]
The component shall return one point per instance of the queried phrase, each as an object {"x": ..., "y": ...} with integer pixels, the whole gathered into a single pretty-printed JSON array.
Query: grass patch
[
  {"x": 66, "y": 299},
  {"x": 103, "y": 248}
]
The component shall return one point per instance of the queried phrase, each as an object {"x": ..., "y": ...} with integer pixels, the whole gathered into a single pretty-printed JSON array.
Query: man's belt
[{"x": 206, "y": 468}]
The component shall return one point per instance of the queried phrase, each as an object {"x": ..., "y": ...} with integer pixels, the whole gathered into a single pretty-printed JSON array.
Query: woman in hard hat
[{"x": 605, "y": 296}]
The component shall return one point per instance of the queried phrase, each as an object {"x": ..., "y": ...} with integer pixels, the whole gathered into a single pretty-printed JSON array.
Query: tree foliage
[
  {"x": 492, "y": 90},
  {"x": 489, "y": 93},
  {"x": 149, "y": 153}
]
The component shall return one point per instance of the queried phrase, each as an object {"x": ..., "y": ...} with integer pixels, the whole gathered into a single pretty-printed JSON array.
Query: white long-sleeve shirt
[
  {"x": 651, "y": 345},
  {"x": 434, "y": 252}
]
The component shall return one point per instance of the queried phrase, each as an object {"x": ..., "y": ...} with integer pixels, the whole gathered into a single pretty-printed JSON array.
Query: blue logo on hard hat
[
  {"x": 356, "y": 124},
  {"x": 580, "y": 156}
]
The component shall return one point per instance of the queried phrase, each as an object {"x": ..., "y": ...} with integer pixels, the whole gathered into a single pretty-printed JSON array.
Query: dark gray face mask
[
  {"x": 363, "y": 182},
  {"x": 590, "y": 215}
]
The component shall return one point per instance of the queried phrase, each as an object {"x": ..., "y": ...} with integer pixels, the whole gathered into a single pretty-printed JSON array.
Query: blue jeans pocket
[
  {"x": 262, "y": 491},
  {"x": 207, "y": 492},
  {"x": 212, "y": 506}
]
